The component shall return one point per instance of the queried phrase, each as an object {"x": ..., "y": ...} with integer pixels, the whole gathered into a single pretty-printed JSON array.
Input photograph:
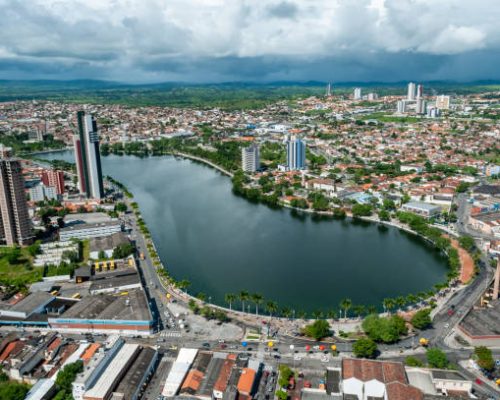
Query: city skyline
[{"x": 223, "y": 41}]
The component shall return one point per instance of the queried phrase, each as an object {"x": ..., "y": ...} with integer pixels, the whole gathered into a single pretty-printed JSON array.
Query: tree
[
  {"x": 384, "y": 215},
  {"x": 400, "y": 302},
  {"x": 121, "y": 207},
  {"x": 230, "y": 298},
  {"x": 386, "y": 330},
  {"x": 436, "y": 358},
  {"x": 285, "y": 374},
  {"x": 467, "y": 242},
  {"x": 244, "y": 296},
  {"x": 257, "y": 299},
  {"x": 318, "y": 329},
  {"x": 345, "y": 304},
  {"x": 13, "y": 390},
  {"x": 422, "y": 319},
  {"x": 413, "y": 362},
  {"x": 13, "y": 257},
  {"x": 281, "y": 394},
  {"x": 271, "y": 307},
  {"x": 362, "y": 210},
  {"x": 123, "y": 250},
  {"x": 484, "y": 358},
  {"x": 388, "y": 304},
  {"x": 365, "y": 348},
  {"x": 65, "y": 378},
  {"x": 184, "y": 284}
]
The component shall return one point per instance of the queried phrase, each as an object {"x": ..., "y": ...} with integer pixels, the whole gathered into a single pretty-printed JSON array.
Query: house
[{"x": 487, "y": 223}]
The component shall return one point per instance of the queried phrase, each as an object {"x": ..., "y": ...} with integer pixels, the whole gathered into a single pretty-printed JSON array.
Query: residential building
[
  {"x": 250, "y": 160},
  {"x": 443, "y": 102},
  {"x": 401, "y": 107},
  {"x": 295, "y": 153},
  {"x": 54, "y": 178},
  {"x": 41, "y": 192},
  {"x": 420, "y": 91},
  {"x": 88, "y": 159},
  {"x": 15, "y": 224},
  {"x": 357, "y": 93},
  {"x": 411, "y": 91},
  {"x": 420, "y": 107}
]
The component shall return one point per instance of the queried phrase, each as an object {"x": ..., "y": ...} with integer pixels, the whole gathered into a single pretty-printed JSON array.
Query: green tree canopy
[
  {"x": 436, "y": 358},
  {"x": 422, "y": 319},
  {"x": 365, "y": 348},
  {"x": 318, "y": 329}
]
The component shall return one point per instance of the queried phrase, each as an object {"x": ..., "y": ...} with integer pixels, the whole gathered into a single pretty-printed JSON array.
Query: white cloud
[{"x": 124, "y": 33}]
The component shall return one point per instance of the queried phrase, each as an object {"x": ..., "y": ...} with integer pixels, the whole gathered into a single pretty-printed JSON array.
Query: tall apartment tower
[
  {"x": 357, "y": 93},
  {"x": 411, "y": 91},
  {"x": 420, "y": 91},
  {"x": 15, "y": 223},
  {"x": 295, "y": 153},
  {"x": 250, "y": 160},
  {"x": 88, "y": 159}
]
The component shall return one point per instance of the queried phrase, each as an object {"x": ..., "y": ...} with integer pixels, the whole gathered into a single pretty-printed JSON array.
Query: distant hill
[{"x": 227, "y": 95}]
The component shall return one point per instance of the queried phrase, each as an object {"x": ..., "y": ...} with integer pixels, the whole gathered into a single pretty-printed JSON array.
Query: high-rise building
[
  {"x": 443, "y": 102},
  {"x": 401, "y": 106},
  {"x": 357, "y": 93},
  {"x": 420, "y": 91},
  {"x": 411, "y": 91},
  {"x": 54, "y": 178},
  {"x": 250, "y": 161},
  {"x": 15, "y": 224},
  {"x": 420, "y": 106},
  {"x": 295, "y": 153},
  {"x": 88, "y": 159}
]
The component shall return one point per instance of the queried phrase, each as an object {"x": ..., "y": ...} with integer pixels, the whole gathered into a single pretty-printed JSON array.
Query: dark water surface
[{"x": 222, "y": 243}]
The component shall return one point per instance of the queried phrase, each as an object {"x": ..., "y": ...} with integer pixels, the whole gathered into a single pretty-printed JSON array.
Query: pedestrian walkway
[{"x": 170, "y": 334}]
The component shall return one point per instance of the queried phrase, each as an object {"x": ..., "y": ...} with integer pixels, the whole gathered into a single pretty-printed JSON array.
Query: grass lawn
[{"x": 22, "y": 271}]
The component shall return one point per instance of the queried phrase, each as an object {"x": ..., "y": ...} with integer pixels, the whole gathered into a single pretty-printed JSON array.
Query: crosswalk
[{"x": 170, "y": 334}]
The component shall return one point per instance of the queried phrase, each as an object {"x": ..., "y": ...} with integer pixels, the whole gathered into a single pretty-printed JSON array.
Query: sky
[{"x": 143, "y": 41}]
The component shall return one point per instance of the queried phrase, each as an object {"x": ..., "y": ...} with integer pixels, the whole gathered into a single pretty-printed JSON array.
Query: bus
[{"x": 76, "y": 296}]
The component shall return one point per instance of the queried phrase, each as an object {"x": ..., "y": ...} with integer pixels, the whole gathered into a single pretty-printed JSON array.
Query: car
[
  {"x": 221, "y": 341},
  {"x": 277, "y": 356},
  {"x": 223, "y": 346},
  {"x": 206, "y": 344},
  {"x": 447, "y": 325}
]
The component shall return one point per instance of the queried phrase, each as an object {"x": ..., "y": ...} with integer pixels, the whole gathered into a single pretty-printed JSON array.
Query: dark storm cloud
[
  {"x": 222, "y": 40},
  {"x": 283, "y": 10}
]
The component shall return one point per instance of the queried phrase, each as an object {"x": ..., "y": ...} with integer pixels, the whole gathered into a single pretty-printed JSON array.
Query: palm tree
[
  {"x": 400, "y": 302},
  {"x": 411, "y": 299},
  {"x": 257, "y": 299},
  {"x": 359, "y": 309},
  {"x": 388, "y": 304},
  {"x": 286, "y": 312},
  {"x": 317, "y": 314},
  {"x": 244, "y": 296},
  {"x": 371, "y": 309},
  {"x": 345, "y": 304},
  {"x": 331, "y": 314},
  {"x": 183, "y": 285},
  {"x": 271, "y": 307},
  {"x": 301, "y": 314},
  {"x": 230, "y": 298}
]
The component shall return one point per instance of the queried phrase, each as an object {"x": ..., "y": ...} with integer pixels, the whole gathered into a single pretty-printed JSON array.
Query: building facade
[
  {"x": 54, "y": 178},
  {"x": 15, "y": 224},
  {"x": 411, "y": 91},
  {"x": 250, "y": 160},
  {"x": 88, "y": 160},
  {"x": 443, "y": 102},
  {"x": 357, "y": 93},
  {"x": 295, "y": 153}
]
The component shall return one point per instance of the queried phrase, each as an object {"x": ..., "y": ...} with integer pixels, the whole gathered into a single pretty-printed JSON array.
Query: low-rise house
[{"x": 425, "y": 210}]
